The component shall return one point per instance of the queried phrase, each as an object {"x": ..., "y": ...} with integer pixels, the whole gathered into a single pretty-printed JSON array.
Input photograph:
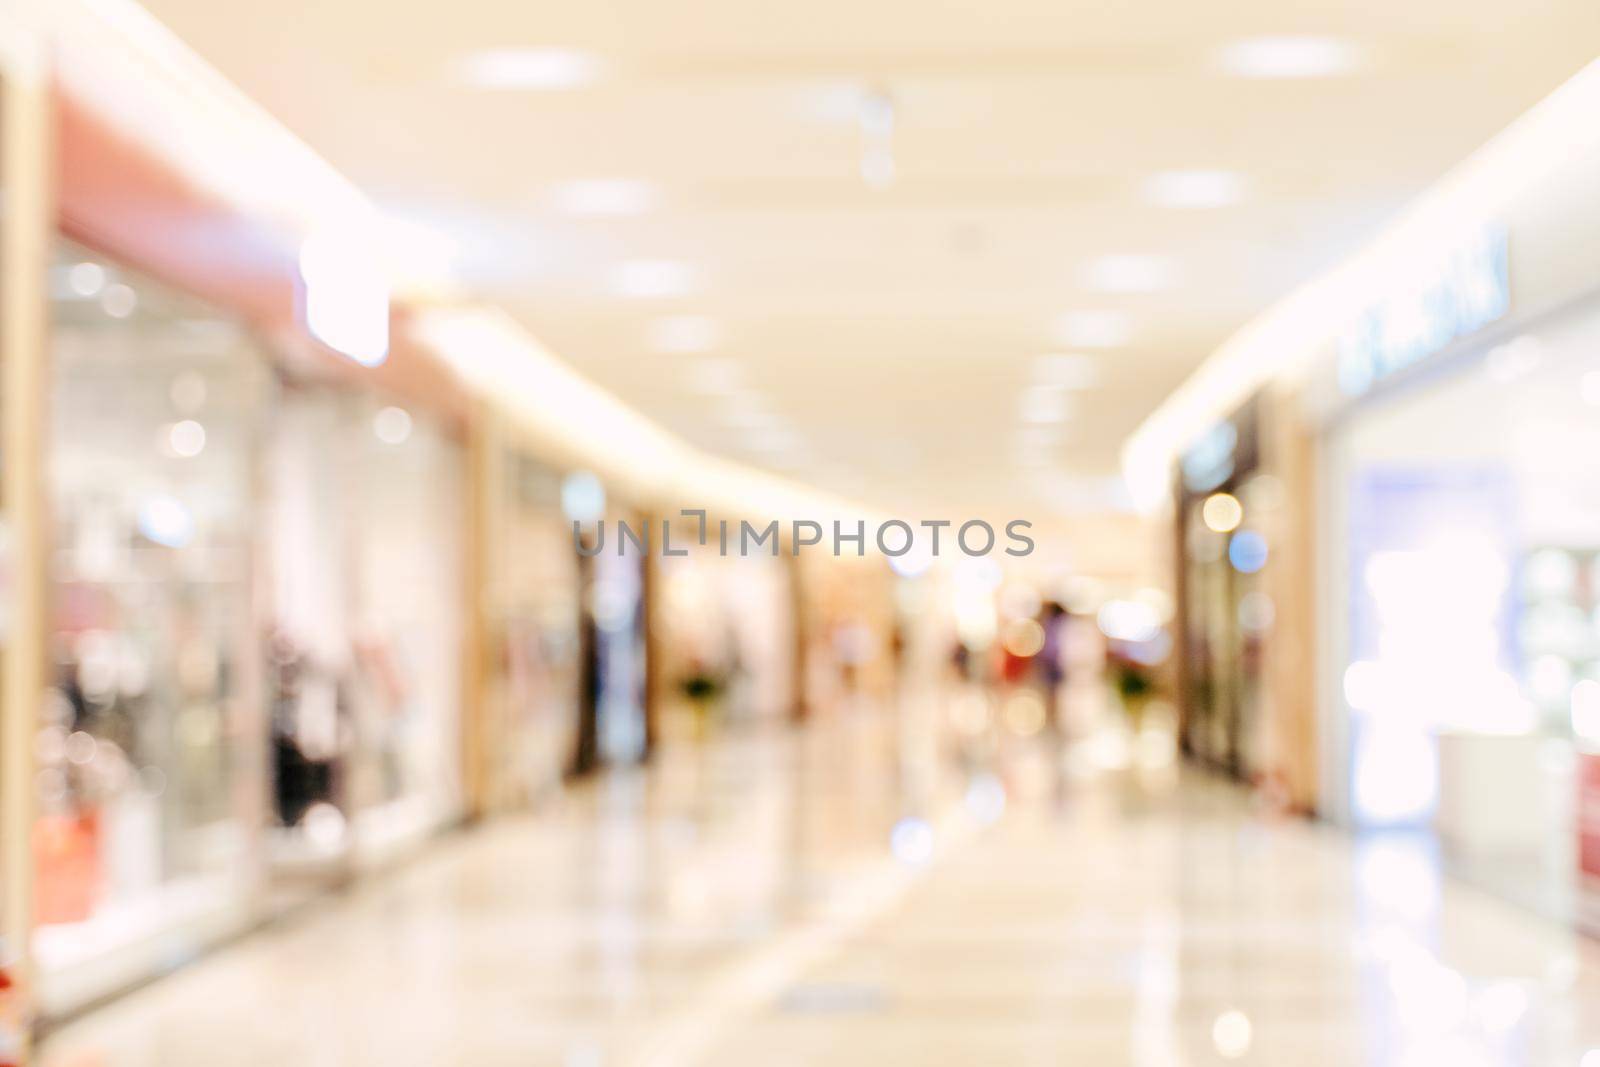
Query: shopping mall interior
[{"x": 639, "y": 535}]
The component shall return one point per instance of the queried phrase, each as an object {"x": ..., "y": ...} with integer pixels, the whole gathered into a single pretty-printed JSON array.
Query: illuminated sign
[
  {"x": 345, "y": 297},
  {"x": 1464, "y": 290}
]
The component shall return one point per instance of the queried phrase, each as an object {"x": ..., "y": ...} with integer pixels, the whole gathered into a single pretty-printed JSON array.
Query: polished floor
[{"x": 861, "y": 893}]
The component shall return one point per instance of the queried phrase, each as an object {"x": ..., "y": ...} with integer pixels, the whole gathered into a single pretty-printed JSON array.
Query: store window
[
  {"x": 365, "y": 684},
  {"x": 726, "y": 635},
  {"x": 532, "y": 606},
  {"x": 148, "y": 750},
  {"x": 1224, "y": 502},
  {"x": 1466, "y": 508}
]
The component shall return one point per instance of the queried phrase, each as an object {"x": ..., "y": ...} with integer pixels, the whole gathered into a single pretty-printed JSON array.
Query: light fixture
[
  {"x": 1247, "y": 551},
  {"x": 1069, "y": 370},
  {"x": 583, "y": 497},
  {"x": 345, "y": 296},
  {"x": 1044, "y": 404},
  {"x": 605, "y": 196},
  {"x": 743, "y": 409},
  {"x": 545, "y": 69},
  {"x": 774, "y": 440},
  {"x": 1222, "y": 512},
  {"x": 1194, "y": 188},
  {"x": 1289, "y": 57},
  {"x": 86, "y": 279},
  {"x": 119, "y": 300},
  {"x": 392, "y": 425},
  {"x": 1128, "y": 620},
  {"x": 1094, "y": 329},
  {"x": 1231, "y": 1034},
  {"x": 653, "y": 279},
  {"x": 718, "y": 377},
  {"x": 683, "y": 333},
  {"x": 875, "y": 112},
  {"x": 1040, "y": 435},
  {"x": 186, "y": 438},
  {"x": 164, "y": 520},
  {"x": 912, "y": 841},
  {"x": 1130, "y": 274}
]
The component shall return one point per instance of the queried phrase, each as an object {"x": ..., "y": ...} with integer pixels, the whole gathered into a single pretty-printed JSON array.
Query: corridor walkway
[{"x": 840, "y": 897}]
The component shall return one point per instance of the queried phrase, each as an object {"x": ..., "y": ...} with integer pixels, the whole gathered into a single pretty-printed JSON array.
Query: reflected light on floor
[
  {"x": 911, "y": 841},
  {"x": 1231, "y": 1034}
]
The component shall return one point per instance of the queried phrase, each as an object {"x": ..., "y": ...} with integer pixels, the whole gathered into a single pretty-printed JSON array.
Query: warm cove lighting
[
  {"x": 1094, "y": 329},
  {"x": 1194, "y": 189},
  {"x": 683, "y": 333},
  {"x": 1130, "y": 274},
  {"x": 605, "y": 196},
  {"x": 653, "y": 279},
  {"x": 546, "y": 69},
  {"x": 345, "y": 297},
  {"x": 1290, "y": 57}
]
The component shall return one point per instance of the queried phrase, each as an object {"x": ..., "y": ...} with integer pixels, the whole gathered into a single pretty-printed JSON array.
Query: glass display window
[
  {"x": 366, "y": 686},
  {"x": 533, "y": 613},
  {"x": 1465, "y": 669},
  {"x": 148, "y": 751}
]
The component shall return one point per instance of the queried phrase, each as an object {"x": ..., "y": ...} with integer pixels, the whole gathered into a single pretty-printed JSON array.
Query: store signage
[
  {"x": 1210, "y": 462},
  {"x": 345, "y": 296},
  {"x": 1457, "y": 294}
]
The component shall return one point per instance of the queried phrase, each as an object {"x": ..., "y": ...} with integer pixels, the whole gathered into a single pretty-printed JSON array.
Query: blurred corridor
[
  {"x": 735, "y": 532},
  {"x": 829, "y": 896}
]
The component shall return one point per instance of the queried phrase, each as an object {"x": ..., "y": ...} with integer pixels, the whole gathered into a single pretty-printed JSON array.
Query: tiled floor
[{"x": 843, "y": 896}]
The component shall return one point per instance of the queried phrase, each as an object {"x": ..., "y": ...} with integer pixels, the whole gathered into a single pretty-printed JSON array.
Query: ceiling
[{"x": 881, "y": 342}]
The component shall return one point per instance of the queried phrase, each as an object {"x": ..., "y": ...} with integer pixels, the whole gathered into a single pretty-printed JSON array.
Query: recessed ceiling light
[
  {"x": 1194, "y": 188},
  {"x": 683, "y": 333},
  {"x": 1290, "y": 57},
  {"x": 1070, "y": 370},
  {"x": 606, "y": 196},
  {"x": 745, "y": 410},
  {"x": 653, "y": 279},
  {"x": 1043, "y": 405},
  {"x": 775, "y": 439},
  {"x": 1040, "y": 435},
  {"x": 714, "y": 376},
  {"x": 1094, "y": 329},
  {"x": 1130, "y": 274},
  {"x": 529, "y": 68}
]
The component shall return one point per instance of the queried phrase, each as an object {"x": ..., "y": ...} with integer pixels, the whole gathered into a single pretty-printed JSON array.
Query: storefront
[
  {"x": 614, "y": 690},
  {"x": 1462, "y": 494},
  {"x": 366, "y": 502},
  {"x": 1240, "y": 563},
  {"x": 726, "y": 635},
  {"x": 248, "y": 625},
  {"x": 1221, "y": 617},
  {"x": 149, "y": 750},
  {"x": 24, "y": 249},
  {"x": 529, "y": 604}
]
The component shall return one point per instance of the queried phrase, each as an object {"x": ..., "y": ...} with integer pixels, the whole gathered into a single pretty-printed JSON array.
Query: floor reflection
[{"x": 947, "y": 881}]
